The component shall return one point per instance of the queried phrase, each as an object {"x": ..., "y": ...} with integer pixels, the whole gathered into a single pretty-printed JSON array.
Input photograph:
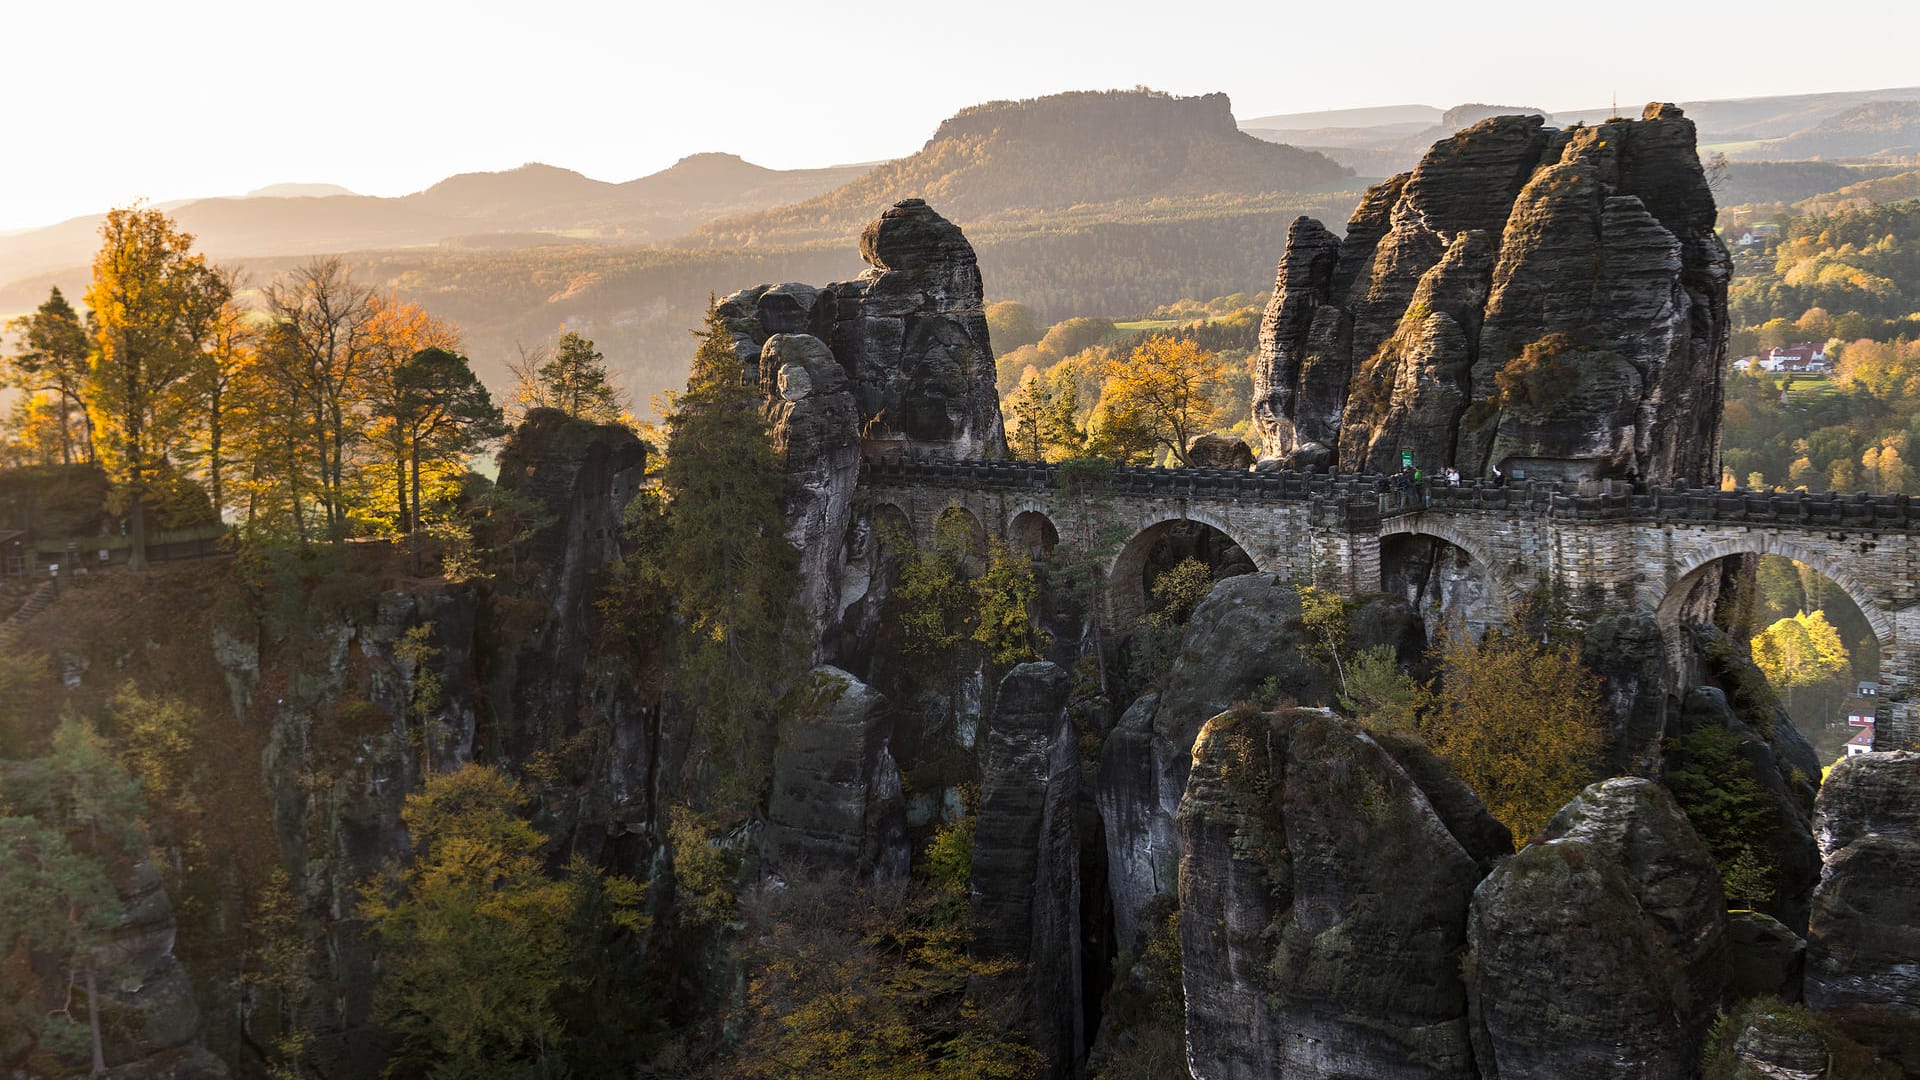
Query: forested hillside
[{"x": 1849, "y": 281}]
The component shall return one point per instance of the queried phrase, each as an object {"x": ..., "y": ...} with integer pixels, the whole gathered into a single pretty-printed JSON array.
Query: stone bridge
[{"x": 1592, "y": 549}]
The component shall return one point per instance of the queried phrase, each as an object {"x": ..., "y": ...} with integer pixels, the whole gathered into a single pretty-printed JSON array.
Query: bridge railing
[{"x": 1360, "y": 495}]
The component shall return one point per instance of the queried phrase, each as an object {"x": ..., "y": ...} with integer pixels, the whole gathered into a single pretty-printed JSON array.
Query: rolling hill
[{"x": 529, "y": 206}]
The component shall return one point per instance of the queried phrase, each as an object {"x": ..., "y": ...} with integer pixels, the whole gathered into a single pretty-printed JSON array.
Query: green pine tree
[{"x": 729, "y": 568}]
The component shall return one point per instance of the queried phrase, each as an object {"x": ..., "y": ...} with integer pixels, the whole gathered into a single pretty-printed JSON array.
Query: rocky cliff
[
  {"x": 1863, "y": 947},
  {"x": 1549, "y": 302},
  {"x": 1323, "y": 906},
  {"x": 910, "y": 334}
]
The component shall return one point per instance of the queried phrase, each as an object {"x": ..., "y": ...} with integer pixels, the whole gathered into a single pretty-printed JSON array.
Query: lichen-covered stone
[
  {"x": 1323, "y": 907},
  {"x": 1600, "y": 952},
  {"x": 1863, "y": 938}
]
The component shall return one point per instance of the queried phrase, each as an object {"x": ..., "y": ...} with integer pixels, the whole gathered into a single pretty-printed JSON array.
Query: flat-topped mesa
[
  {"x": 910, "y": 332},
  {"x": 1551, "y": 302}
]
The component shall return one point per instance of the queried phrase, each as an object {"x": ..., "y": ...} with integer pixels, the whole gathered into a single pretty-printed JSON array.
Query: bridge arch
[
  {"x": 958, "y": 512},
  {"x": 1492, "y": 600},
  {"x": 1126, "y": 574},
  {"x": 1686, "y": 575},
  {"x": 1896, "y": 662},
  {"x": 887, "y": 520},
  {"x": 1032, "y": 532}
]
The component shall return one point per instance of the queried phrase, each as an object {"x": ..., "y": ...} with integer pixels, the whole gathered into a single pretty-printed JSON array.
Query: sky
[{"x": 166, "y": 101}]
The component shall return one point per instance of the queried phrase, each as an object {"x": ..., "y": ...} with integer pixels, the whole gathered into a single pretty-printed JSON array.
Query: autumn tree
[
  {"x": 571, "y": 377},
  {"x": 434, "y": 408},
  {"x": 1801, "y": 652},
  {"x": 478, "y": 938},
  {"x": 228, "y": 347},
  {"x": 319, "y": 348},
  {"x": 1012, "y": 325},
  {"x": 152, "y": 300},
  {"x": 1170, "y": 386},
  {"x": 727, "y": 565},
  {"x": 1519, "y": 721},
  {"x": 53, "y": 360}
]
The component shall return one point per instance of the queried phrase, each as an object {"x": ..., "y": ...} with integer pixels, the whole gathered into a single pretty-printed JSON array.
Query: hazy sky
[{"x": 121, "y": 99}]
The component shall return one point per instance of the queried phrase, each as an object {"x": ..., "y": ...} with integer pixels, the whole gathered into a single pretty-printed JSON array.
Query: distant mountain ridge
[
  {"x": 1379, "y": 141},
  {"x": 1010, "y": 160},
  {"x": 534, "y": 198}
]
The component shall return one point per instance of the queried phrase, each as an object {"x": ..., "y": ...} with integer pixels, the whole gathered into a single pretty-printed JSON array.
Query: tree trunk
[
  {"x": 213, "y": 457},
  {"x": 137, "y": 522},
  {"x": 93, "y": 1021},
  {"x": 407, "y": 522},
  {"x": 415, "y": 534}
]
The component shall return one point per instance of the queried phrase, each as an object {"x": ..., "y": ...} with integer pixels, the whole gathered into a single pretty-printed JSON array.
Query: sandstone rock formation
[
  {"x": 1763, "y": 957},
  {"x": 582, "y": 475},
  {"x": 1863, "y": 941},
  {"x": 150, "y": 1020},
  {"x": 1600, "y": 952},
  {"x": 910, "y": 333},
  {"x": 895, "y": 361},
  {"x": 1246, "y": 632},
  {"x": 1628, "y": 653},
  {"x": 1786, "y": 837},
  {"x": 816, "y": 434},
  {"x": 1025, "y": 881},
  {"x": 1323, "y": 906},
  {"x": 836, "y": 806},
  {"x": 1552, "y": 302}
]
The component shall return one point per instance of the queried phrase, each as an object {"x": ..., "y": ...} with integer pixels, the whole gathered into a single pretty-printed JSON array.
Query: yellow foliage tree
[
  {"x": 1799, "y": 652},
  {"x": 1170, "y": 385},
  {"x": 1519, "y": 721},
  {"x": 152, "y": 301}
]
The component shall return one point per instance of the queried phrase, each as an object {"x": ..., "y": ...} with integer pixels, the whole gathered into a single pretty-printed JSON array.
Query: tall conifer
[{"x": 729, "y": 566}]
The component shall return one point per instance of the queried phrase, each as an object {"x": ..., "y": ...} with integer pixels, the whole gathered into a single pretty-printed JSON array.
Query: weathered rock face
[
  {"x": 1219, "y": 452},
  {"x": 1026, "y": 881},
  {"x": 1591, "y": 252},
  {"x": 1323, "y": 907},
  {"x": 1786, "y": 839},
  {"x": 897, "y": 360},
  {"x": 837, "y": 806},
  {"x": 1628, "y": 653},
  {"x": 582, "y": 475},
  {"x": 910, "y": 334},
  {"x": 1246, "y": 631},
  {"x": 149, "y": 1017},
  {"x": 1763, "y": 957},
  {"x": 1863, "y": 941},
  {"x": 1602, "y": 951},
  {"x": 816, "y": 434}
]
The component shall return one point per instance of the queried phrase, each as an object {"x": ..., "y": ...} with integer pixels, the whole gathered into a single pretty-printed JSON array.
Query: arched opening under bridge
[
  {"x": 1032, "y": 533},
  {"x": 1447, "y": 582},
  {"x": 1815, "y": 632},
  {"x": 1158, "y": 549}
]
